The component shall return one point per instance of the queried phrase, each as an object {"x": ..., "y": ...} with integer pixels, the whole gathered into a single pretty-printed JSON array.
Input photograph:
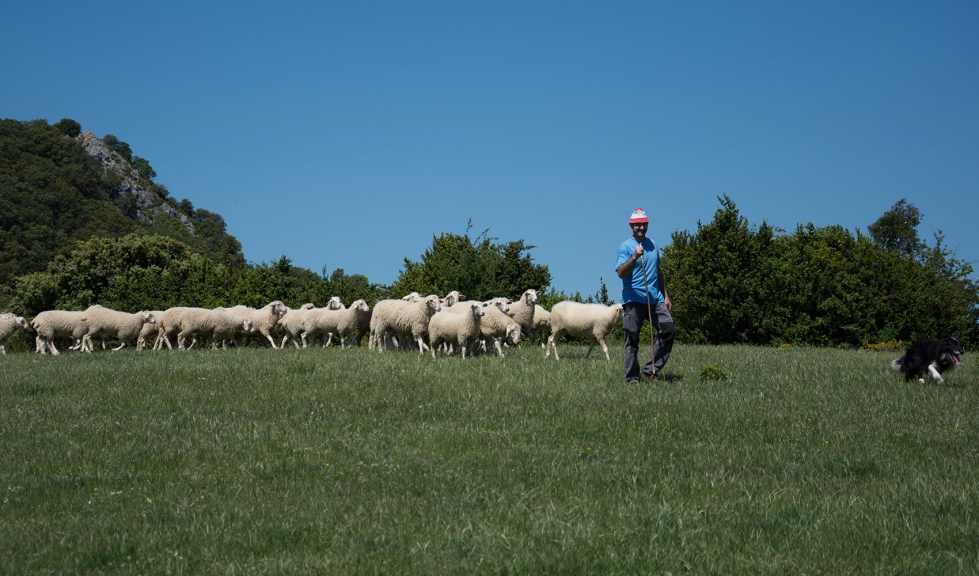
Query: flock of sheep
[{"x": 423, "y": 323}]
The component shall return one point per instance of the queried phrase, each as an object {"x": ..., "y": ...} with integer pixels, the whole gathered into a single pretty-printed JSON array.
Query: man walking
[{"x": 644, "y": 297}]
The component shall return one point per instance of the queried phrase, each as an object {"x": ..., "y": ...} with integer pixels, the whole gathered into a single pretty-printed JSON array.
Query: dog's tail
[{"x": 898, "y": 364}]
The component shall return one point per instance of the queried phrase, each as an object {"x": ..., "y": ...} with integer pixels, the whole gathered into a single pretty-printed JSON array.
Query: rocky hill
[{"x": 60, "y": 186}]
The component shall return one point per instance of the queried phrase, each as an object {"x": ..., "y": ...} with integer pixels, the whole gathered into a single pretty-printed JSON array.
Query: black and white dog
[{"x": 931, "y": 357}]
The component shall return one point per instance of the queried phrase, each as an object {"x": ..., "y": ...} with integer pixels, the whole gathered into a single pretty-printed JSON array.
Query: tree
[
  {"x": 143, "y": 167},
  {"x": 897, "y": 229},
  {"x": 478, "y": 267},
  {"x": 68, "y": 127}
]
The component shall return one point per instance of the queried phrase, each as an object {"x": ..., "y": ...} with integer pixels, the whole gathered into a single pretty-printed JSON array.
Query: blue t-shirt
[{"x": 633, "y": 286}]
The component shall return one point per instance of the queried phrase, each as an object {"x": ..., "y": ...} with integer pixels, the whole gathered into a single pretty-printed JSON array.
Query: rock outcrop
[{"x": 148, "y": 205}]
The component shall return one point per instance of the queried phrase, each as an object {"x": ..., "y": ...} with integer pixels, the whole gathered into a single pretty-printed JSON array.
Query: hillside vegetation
[{"x": 55, "y": 193}]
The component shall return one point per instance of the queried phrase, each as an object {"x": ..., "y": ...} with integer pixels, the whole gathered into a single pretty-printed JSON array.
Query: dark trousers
[{"x": 634, "y": 314}]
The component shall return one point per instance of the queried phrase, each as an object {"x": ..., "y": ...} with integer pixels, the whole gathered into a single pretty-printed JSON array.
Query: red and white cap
[{"x": 638, "y": 216}]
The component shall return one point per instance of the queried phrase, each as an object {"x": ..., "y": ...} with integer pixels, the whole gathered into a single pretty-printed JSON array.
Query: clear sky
[{"x": 348, "y": 134}]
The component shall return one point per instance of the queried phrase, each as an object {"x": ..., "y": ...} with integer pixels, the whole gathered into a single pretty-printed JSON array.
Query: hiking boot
[{"x": 649, "y": 378}]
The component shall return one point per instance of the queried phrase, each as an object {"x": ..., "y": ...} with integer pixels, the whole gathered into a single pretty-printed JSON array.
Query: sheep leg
[
  {"x": 604, "y": 349},
  {"x": 590, "y": 346},
  {"x": 121, "y": 346},
  {"x": 271, "y": 340},
  {"x": 552, "y": 342}
]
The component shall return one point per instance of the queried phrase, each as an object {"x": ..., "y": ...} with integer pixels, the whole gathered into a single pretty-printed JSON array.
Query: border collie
[{"x": 929, "y": 357}]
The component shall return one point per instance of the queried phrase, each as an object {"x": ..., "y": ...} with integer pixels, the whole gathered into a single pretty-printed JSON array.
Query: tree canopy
[
  {"x": 735, "y": 283},
  {"x": 478, "y": 267}
]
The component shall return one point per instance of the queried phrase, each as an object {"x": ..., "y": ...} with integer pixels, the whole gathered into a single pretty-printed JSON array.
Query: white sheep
[
  {"x": 8, "y": 324},
  {"x": 150, "y": 329},
  {"x": 496, "y": 326},
  {"x": 397, "y": 317},
  {"x": 264, "y": 319},
  {"x": 219, "y": 324},
  {"x": 522, "y": 311},
  {"x": 323, "y": 321},
  {"x": 451, "y": 299},
  {"x": 54, "y": 324},
  {"x": 578, "y": 319},
  {"x": 334, "y": 303},
  {"x": 291, "y": 325},
  {"x": 462, "y": 329},
  {"x": 541, "y": 325},
  {"x": 104, "y": 322},
  {"x": 169, "y": 326},
  {"x": 503, "y": 304}
]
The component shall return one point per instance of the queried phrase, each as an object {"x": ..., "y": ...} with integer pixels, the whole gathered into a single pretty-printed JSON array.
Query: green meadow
[{"x": 258, "y": 461}]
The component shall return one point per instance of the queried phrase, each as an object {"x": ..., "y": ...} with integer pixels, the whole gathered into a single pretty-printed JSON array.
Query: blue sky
[{"x": 347, "y": 135}]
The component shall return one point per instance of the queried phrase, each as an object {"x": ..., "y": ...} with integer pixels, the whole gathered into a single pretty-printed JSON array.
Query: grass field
[{"x": 326, "y": 461}]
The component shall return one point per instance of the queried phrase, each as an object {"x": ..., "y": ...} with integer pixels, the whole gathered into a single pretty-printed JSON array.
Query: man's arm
[
  {"x": 626, "y": 268},
  {"x": 662, "y": 288}
]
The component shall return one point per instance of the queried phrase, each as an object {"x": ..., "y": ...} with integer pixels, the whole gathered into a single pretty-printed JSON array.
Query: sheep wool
[
  {"x": 51, "y": 325},
  {"x": 323, "y": 321},
  {"x": 264, "y": 319},
  {"x": 150, "y": 329},
  {"x": 8, "y": 324},
  {"x": 578, "y": 319},
  {"x": 104, "y": 322},
  {"x": 522, "y": 311},
  {"x": 218, "y": 324},
  {"x": 541, "y": 325},
  {"x": 497, "y": 326},
  {"x": 397, "y": 317},
  {"x": 291, "y": 325},
  {"x": 462, "y": 329}
]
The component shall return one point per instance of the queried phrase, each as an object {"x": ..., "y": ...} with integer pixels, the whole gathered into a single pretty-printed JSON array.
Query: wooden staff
[{"x": 649, "y": 313}]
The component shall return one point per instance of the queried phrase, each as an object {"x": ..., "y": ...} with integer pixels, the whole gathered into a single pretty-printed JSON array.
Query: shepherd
[{"x": 644, "y": 297}]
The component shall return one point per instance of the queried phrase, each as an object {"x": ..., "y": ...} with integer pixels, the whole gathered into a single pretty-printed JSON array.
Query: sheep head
[
  {"x": 502, "y": 303},
  {"x": 147, "y": 317},
  {"x": 360, "y": 305},
  {"x": 530, "y": 297},
  {"x": 278, "y": 308},
  {"x": 334, "y": 303},
  {"x": 513, "y": 333},
  {"x": 433, "y": 304},
  {"x": 453, "y": 298}
]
